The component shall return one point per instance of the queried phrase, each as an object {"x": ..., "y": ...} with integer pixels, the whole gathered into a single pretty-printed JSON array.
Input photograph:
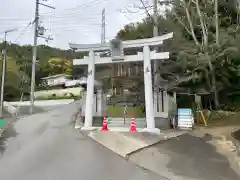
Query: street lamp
[{"x": 4, "y": 69}]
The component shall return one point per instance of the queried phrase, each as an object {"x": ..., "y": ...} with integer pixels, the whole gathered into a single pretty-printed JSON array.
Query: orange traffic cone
[
  {"x": 104, "y": 124},
  {"x": 133, "y": 125}
]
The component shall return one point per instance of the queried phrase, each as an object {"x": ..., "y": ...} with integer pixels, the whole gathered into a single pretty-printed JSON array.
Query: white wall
[
  {"x": 9, "y": 107},
  {"x": 43, "y": 102},
  {"x": 59, "y": 92},
  {"x": 160, "y": 111},
  {"x": 56, "y": 81}
]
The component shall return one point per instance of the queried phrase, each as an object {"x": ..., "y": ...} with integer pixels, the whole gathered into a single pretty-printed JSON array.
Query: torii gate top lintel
[{"x": 155, "y": 41}]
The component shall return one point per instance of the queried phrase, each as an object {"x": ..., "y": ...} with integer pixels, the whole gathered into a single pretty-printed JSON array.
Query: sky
[{"x": 73, "y": 21}]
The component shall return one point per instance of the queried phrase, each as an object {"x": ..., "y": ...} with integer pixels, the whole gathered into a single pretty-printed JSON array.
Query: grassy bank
[{"x": 115, "y": 111}]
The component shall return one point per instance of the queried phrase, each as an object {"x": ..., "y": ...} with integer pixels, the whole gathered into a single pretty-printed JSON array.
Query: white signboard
[{"x": 185, "y": 118}]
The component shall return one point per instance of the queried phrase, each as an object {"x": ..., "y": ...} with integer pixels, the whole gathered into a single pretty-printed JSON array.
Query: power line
[
  {"x": 83, "y": 13},
  {"x": 12, "y": 19},
  {"x": 58, "y": 19},
  {"x": 7, "y": 19},
  {"x": 94, "y": 2},
  {"x": 23, "y": 31},
  {"x": 78, "y": 16},
  {"x": 77, "y": 29},
  {"x": 56, "y": 15},
  {"x": 73, "y": 20},
  {"x": 80, "y": 7},
  {"x": 76, "y": 25},
  {"x": 65, "y": 10}
]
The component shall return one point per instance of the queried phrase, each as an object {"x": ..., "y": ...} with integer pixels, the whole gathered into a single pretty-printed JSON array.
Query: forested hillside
[
  {"x": 50, "y": 61},
  {"x": 205, "y": 51}
]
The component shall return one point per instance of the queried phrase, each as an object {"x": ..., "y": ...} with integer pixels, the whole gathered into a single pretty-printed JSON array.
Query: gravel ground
[{"x": 236, "y": 134}]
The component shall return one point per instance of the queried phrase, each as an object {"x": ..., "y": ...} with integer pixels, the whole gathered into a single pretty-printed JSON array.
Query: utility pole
[
  {"x": 36, "y": 19},
  {"x": 4, "y": 61},
  {"x": 103, "y": 31},
  {"x": 155, "y": 33},
  {"x": 36, "y": 35}
]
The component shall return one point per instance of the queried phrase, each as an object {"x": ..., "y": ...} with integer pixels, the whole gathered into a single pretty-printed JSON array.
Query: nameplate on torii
[
  {"x": 90, "y": 73},
  {"x": 147, "y": 70}
]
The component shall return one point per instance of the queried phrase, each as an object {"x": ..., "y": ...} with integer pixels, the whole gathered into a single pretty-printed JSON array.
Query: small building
[
  {"x": 58, "y": 85},
  {"x": 56, "y": 81},
  {"x": 62, "y": 85}
]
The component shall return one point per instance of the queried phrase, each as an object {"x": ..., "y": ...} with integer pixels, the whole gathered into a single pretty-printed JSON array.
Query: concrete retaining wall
[
  {"x": 59, "y": 92},
  {"x": 43, "y": 103},
  {"x": 162, "y": 123}
]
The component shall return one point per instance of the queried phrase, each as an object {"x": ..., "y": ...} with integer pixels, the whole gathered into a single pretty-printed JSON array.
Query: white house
[
  {"x": 56, "y": 80},
  {"x": 62, "y": 84}
]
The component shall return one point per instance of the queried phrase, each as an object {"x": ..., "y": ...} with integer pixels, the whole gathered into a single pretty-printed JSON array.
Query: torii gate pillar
[
  {"x": 148, "y": 90},
  {"x": 90, "y": 92}
]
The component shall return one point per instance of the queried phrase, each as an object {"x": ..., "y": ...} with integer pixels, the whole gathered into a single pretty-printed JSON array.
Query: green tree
[
  {"x": 60, "y": 66},
  {"x": 16, "y": 81},
  {"x": 204, "y": 47}
]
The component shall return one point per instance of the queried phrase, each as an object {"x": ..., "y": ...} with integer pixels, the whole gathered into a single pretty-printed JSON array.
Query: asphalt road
[
  {"x": 46, "y": 146},
  {"x": 24, "y": 110},
  {"x": 186, "y": 158}
]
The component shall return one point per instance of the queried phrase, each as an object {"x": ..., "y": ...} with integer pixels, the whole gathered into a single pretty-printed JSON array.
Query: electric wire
[
  {"x": 23, "y": 31},
  {"x": 75, "y": 9}
]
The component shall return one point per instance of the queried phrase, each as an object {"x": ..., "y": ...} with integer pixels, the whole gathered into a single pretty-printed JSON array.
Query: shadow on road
[
  {"x": 7, "y": 133},
  {"x": 194, "y": 157}
]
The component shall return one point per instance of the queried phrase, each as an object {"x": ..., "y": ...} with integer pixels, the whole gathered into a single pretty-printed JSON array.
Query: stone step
[
  {"x": 125, "y": 126},
  {"x": 119, "y": 122},
  {"x": 142, "y": 125},
  {"x": 126, "y": 122}
]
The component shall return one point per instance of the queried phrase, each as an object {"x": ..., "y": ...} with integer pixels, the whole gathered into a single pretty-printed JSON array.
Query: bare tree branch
[
  {"x": 216, "y": 22},
  {"x": 238, "y": 11},
  {"x": 182, "y": 24},
  {"x": 203, "y": 27},
  {"x": 190, "y": 23}
]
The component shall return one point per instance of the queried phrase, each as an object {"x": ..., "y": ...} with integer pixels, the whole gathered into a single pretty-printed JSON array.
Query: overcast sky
[{"x": 75, "y": 21}]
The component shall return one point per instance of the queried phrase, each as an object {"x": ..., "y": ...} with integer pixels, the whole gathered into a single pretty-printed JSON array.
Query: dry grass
[{"x": 220, "y": 118}]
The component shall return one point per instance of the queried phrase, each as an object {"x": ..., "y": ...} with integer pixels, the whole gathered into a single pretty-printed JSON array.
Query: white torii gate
[{"x": 146, "y": 56}]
